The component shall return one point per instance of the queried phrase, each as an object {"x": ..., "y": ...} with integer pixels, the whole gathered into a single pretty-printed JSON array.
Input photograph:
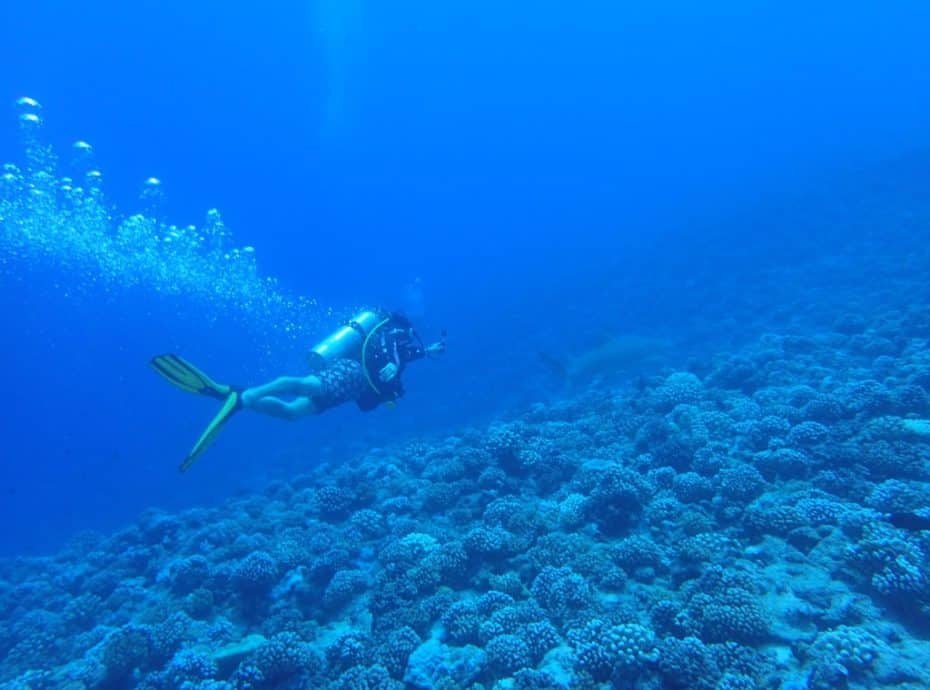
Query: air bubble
[
  {"x": 39, "y": 155},
  {"x": 152, "y": 196},
  {"x": 82, "y": 157},
  {"x": 93, "y": 179},
  {"x": 27, "y": 103}
]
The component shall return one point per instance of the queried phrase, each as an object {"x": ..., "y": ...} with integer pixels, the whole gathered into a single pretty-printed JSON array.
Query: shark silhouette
[{"x": 616, "y": 355}]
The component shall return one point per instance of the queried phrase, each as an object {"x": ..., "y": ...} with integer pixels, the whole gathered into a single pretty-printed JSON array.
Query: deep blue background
[{"x": 552, "y": 173}]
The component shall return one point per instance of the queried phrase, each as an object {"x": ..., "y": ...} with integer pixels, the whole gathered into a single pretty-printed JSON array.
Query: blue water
[
  {"x": 528, "y": 177},
  {"x": 549, "y": 175}
]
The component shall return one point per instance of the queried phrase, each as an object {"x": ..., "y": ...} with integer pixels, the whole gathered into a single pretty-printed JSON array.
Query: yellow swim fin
[
  {"x": 186, "y": 376},
  {"x": 231, "y": 405}
]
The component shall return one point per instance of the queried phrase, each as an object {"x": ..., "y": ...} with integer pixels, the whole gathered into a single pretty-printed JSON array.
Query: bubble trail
[{"x": 50, "y": 220}]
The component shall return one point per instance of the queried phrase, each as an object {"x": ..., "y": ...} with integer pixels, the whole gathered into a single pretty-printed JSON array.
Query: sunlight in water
[{"x": 340, "y": 30}]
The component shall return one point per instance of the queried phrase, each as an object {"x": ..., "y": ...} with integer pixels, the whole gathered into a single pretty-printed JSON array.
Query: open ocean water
[{"x": 677, "y": 254}]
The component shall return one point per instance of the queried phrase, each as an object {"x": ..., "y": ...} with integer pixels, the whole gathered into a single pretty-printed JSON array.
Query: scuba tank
[{"x": 345, "y": 342}]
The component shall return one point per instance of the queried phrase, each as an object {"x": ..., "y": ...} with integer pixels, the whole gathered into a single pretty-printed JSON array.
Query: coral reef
[{"x": 724, "y": 528}]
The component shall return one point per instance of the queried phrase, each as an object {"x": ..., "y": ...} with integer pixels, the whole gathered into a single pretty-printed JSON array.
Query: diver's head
[{"x": 400, "y": 320}]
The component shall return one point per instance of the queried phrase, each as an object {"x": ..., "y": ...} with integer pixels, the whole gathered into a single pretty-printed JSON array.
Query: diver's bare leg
[
  {"x": 284, "y": 409},
  {"x": 306, "y": 386},
  {"x": 266, "y": 398}
]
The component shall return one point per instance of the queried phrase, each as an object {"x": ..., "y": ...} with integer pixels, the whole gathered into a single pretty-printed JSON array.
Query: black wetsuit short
[{"x": 345, "y": 379}]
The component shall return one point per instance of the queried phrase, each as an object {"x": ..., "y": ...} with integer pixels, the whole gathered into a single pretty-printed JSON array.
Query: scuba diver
[{"x": 361, "y": 361}]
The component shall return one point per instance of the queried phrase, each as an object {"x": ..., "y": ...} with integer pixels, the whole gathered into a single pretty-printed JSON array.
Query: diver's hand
[
  {"x": 388, "y": 372},
  {"x": 436, "y": 349}
]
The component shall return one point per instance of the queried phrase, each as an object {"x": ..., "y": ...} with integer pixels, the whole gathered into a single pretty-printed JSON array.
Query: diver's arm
[
  {"x": 435, "y": 349},
  {"x": 414, "y": 351}
]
